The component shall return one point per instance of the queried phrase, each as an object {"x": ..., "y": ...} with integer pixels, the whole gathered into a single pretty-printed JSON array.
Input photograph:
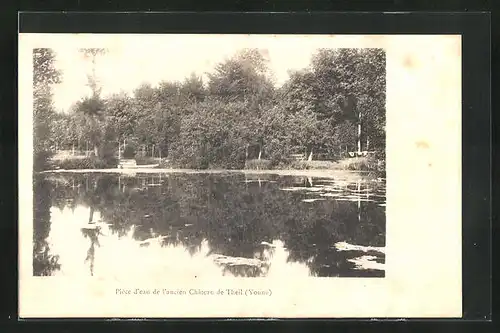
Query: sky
[{"x": 133, "y": 60}]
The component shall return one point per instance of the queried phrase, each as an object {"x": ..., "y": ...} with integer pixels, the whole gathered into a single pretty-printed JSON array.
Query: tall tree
[
  {"x": 45, "y": 75},
  {"x": 243, "y": 77},
  {"x": 93, "y": 106},
  {"x": 353, "y": 80}
]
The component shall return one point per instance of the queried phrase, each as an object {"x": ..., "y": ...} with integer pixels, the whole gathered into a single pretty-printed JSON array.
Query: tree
[
  {"x": 45, "y": 75},
  {"x": 193, "y": 89},
  {"x": 341, "y": 87},
  {"x": 211, "y": 136},
  {"x": 244, "y": 77},
  {"x": 92, "y": 106},
  {"x": 353, "y": 80},
  {"x": 121, "y": 119}
]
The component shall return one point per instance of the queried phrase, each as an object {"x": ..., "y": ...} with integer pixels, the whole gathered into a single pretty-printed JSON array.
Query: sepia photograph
[{"x": 267, "y": 175}]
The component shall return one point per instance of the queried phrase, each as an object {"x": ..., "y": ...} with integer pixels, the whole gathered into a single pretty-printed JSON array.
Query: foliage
[
  {"x": 369, "y": 163},
  {"x": 129, "y": 151},
  {"x": 44, "y": 263},
  {"x": 145, "y": 160},
  {"x": 258, "y": 164},
  {"x": 85, "y": 163},
  {"x": 45, "y": 75},
  {"x": 242, "y": 77}
]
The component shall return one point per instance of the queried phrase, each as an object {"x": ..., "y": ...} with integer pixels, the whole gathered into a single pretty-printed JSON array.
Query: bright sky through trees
[{"x": 136, "y": 59}]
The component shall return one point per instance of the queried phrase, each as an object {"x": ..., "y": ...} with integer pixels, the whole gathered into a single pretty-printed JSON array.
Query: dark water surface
[{"x": 110, "y": 225}]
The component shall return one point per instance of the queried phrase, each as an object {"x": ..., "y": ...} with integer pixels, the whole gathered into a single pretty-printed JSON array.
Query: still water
[{"x": 220, "y": 224}]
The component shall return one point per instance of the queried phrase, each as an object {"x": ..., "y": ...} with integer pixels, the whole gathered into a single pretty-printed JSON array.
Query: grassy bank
[
  {"x": 351, "y": 164},
  {"x": 89, "y": 162},
  {"x": 365, "y": 164},
  {"x": 334, "y": 174}
]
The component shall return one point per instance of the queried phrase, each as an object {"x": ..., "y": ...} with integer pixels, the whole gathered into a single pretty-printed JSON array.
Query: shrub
[
  {"x": 83, "y": 163},
  {"x": 129, "y": 151},
  {"x": 370, "y": 163},
  {"x": 165, "y": 163},
  {"x": 107, "y": 156},
  {"x": 41, "y": 160},
  {"x": 305, "y": 165},
  {"x": 145, "y": 160}
]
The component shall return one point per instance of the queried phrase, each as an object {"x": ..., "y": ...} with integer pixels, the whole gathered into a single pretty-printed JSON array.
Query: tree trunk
[
  {"x": 91, "y": 217},
  {"x": 310, "y": 156},
  {"x": 260, "y": 151},
  {"x": 367, "y": 143},
  {"x": 246, "y": 153},
  {"x": 96, "y": 150},
  {"x": 359, "y": 137}
]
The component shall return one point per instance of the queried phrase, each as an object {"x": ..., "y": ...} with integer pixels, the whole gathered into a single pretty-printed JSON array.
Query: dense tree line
[{"x": 335, "y": 104}]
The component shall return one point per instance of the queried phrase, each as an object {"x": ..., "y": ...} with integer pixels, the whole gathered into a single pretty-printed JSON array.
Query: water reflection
[{"x": 114, "y": 226}]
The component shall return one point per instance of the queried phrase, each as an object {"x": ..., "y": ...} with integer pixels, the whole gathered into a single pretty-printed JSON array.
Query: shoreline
[{"x": 318, "y": 173}]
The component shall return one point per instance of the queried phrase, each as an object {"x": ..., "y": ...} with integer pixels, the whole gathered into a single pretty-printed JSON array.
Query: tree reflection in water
[
  {"x": 233, "y": 214},
  {"x": 44, "y": 263}
]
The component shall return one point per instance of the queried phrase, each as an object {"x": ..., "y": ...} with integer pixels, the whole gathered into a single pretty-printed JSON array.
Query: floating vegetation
[
  {"x": 343, "y": 246},
  {"x": 236, "y": 261},
  {"x": 366, "y": 262}
]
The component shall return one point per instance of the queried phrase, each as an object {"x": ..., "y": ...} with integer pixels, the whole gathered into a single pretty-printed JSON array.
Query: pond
[{"x": 198, "y": 224}]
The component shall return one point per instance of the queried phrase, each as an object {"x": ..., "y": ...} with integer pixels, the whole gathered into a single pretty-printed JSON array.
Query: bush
[
  {"x": 83, "y": 163},
  {"x": 297, "y": 165},
  {"x": 41, "y": 160},
  {"x": 129, "y": 151},
  {"x": 165, "y": 163},
  {"x": 370, "y": 163},
  {"x": 258, "y": 164},
  {"x": 355, "y": 164},
  {"x": 145, "y": 160},
  {"x": 107, "y": 156}
]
